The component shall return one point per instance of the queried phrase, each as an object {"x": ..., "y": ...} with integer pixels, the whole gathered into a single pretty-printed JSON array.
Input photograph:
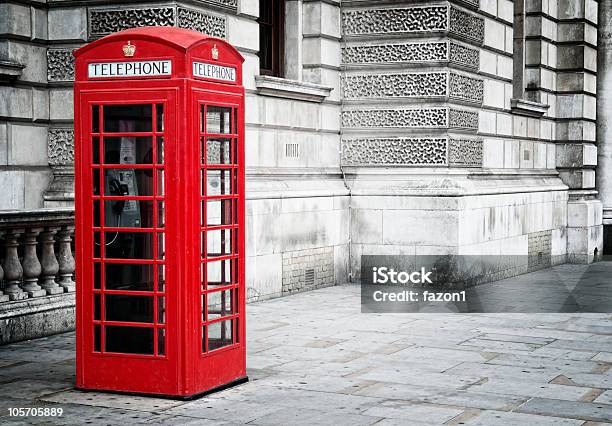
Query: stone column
[
  {"x": 604, "y": 118},
  {"x": 66, "y": 260},
  {"x": 60, "y": 147},
  {"x": 31, "y": 266},
  {"x": 50, "y": 266},
  {"x": 13, "y": 272}
]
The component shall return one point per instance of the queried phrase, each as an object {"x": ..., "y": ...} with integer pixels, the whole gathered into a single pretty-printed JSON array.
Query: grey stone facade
[{"x": 400, "y": 127}]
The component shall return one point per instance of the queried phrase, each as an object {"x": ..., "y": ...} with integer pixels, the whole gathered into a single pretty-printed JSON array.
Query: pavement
[{"x": 315, "y": 359}]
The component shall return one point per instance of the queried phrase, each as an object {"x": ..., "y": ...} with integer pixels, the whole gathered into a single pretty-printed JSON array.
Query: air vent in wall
[{"x": 292, "y": 150}]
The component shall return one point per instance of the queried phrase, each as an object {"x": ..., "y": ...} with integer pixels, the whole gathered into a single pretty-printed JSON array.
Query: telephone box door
[
  {"x": 128, "y": 313},
  {"x": 221, "y": 206}
]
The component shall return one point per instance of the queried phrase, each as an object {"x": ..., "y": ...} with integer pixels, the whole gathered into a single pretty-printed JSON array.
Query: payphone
[{"x": 159, "y": 158}]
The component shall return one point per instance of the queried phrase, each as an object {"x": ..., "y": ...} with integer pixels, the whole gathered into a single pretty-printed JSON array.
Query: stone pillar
[
  {"x": 576, "y": 126},
  {"x": 31, "y": 266},
  {"x": 61, "y": 159},
  {"x": 66, "y": 260},
  {"x": 293, "y": 40},
  {"x": 604, "y": 117},
  {"x": 50, "y": 266},
  {"x": 13, "y": 272}
]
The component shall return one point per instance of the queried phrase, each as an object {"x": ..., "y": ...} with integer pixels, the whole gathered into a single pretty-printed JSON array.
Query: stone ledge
[
  {"x": 10, "y": 70},
  {"x": 36, "y": 317},
  {"x": 290, "y": 89},
  {"x": 528, "y": 108}
]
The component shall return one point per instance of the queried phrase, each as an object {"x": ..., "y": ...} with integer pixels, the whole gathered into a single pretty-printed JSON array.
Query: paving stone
[
  {"x": 589, "y": 380},
  {"x": 417, "y": 377},
  {"x": 501, "y": 346},
  {"x": 603, "y": 357},
  {"x": 545, "y": 363},
  {"x": 580, "y": 345},
  {"x": 505, "y": 386},
  {"x": 557, "y": 353},
  {"x": 604, "y": 398},
  {"x": 507, "y": 371},
  {"x": 574, "y": 410},
  {"x": 426, "y": 413},
  {"x": 30, "y": 389},
  {"x": 305, "y": 417},
  {"x": 224, "y": 410},
  {"x": 99, "y": 399},
  {"x": 495, "y": 418}
]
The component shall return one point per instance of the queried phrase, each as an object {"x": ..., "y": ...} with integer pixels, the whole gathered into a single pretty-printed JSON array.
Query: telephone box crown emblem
[
  {"x": 129, "y": 49},
  {"x": 215, "y": 52}
]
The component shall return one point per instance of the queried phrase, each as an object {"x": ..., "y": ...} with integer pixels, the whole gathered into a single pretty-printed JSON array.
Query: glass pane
[
  {"x": 128, "y": 182},
  {"x": 97, "y": 337},
  {"x": 161, "y": 341},
  {"x": 219, "y": 212},
  {"x": 128, "y": 150},
  {"x": 160, "y": 183},
  {"x": 95, "y": 150},
  {"x": 128, "y": 340},
  {"x": 161, "y": 215},
  {"x": 219, "y": 243},
  {"x": 97, "y": 245},
  {"x": 95, "y": 119},
  {"x": 160, "y": 150},
  {"x": 96, "y": 213},
  {"x": 129, "y": 245},
  {"x": 217, "y": 151},
  {"x": 119, "y": 307},
  {"x": 218, "y": 182},
  {"x": 96, "y": 181},
  {"x": 128, "y": 214},
  {"x": 220, "y": 334},
  {"x": 97, "y": 275},
  {"x": 127, "y": 118},
  {"x": 161, "y": 310},
  {"x": 97, "y": 306},
  {"x": 217, "y": 119},
  {"x": 129, "y": 277},
  {"x": 160, "y": 117},
  {"x": 161, "y": 278},
  {"x": 203, "y": 339},
  {"x": 219, "y": 273},
  {"x": 219, "y": 304},
  {"x": 161, "y": 246}
]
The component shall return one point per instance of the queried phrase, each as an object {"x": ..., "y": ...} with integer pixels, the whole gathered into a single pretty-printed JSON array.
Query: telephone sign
[{"x": 159, "y": 167}]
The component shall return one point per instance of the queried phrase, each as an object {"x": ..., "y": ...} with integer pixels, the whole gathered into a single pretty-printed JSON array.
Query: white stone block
[
  {"x": 511, "y": 154},
  {"x": 264, "y": 276},
  {"x": 486, "y": 122},
  {"x": 504, "y": 67},
  {"x": 551, "y": 156},
  {"x": 36, "y": 183},
  {"x": 488, "y": 62},
  {"x": 493, "y": 93},
  {"x": 558, "y": 242},
  {"x": 495, "y": 34},
  {"x": 28, "y": 145},
  {"x": 540, "y": 155},
  {"x": 519, "y": 126},
  {"x": 493, "y": 153},
  {"x": 12, "y": 183},
  {"x": 61, "y": 105},
  {"x": 489, "y": 6},
  {"x": 505, "y": 10},
  {"x": 67, "y": 24},
  {"x": 417, "y": 227},
  {"x": 504, "y": 124}
]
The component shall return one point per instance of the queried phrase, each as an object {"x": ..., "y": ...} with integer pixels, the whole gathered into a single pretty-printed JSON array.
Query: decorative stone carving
[
  {"x": 396, "y": 20},
  {"x": 466, "y": 25},
  {"x": 106, "y": 21},
  {"x": 463, "y": 119},
  {"x": 466, "y": 88},
  {"x": 470, "y": 3},
  {"x": 203, "y": 22},
  {"x": 425, "y": 117},
  {"x": 233, "y": 4},
  {"x": 408, "y": 52},
  {"x": 395, "y": 151},
  {"x": 60, "y": 146},
  {"x": 60, "y": 65},
  {"x": 465, "y": 56},
  {"x": 431, "y": 84},
  {"x": 465, "y": 153}
]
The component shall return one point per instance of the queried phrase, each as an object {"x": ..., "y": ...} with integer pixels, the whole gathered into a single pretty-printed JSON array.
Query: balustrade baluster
[
  {"x": 66, "y": 260},
  {"x": 3, "y": 297},
  {"x": 13, "y": 272},
  {"x": 31, "y": 265},
  {"x": 50, "y": 266}
]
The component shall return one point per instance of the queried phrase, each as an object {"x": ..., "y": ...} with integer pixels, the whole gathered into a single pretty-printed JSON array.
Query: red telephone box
[{"x": 159, "y": 122}]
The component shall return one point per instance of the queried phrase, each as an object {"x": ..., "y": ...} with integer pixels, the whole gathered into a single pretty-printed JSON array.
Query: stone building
[{"x": 373, "y": 127}]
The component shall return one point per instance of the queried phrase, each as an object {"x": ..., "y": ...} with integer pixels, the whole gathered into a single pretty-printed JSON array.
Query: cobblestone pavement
[{"x": 314, "y": 359}]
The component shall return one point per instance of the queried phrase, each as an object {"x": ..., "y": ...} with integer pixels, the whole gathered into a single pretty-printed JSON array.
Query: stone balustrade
[{"x": 36, "y": 257}]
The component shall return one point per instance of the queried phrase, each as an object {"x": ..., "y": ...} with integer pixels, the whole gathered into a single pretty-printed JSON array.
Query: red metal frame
[{"x": 185, "y": 362}]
